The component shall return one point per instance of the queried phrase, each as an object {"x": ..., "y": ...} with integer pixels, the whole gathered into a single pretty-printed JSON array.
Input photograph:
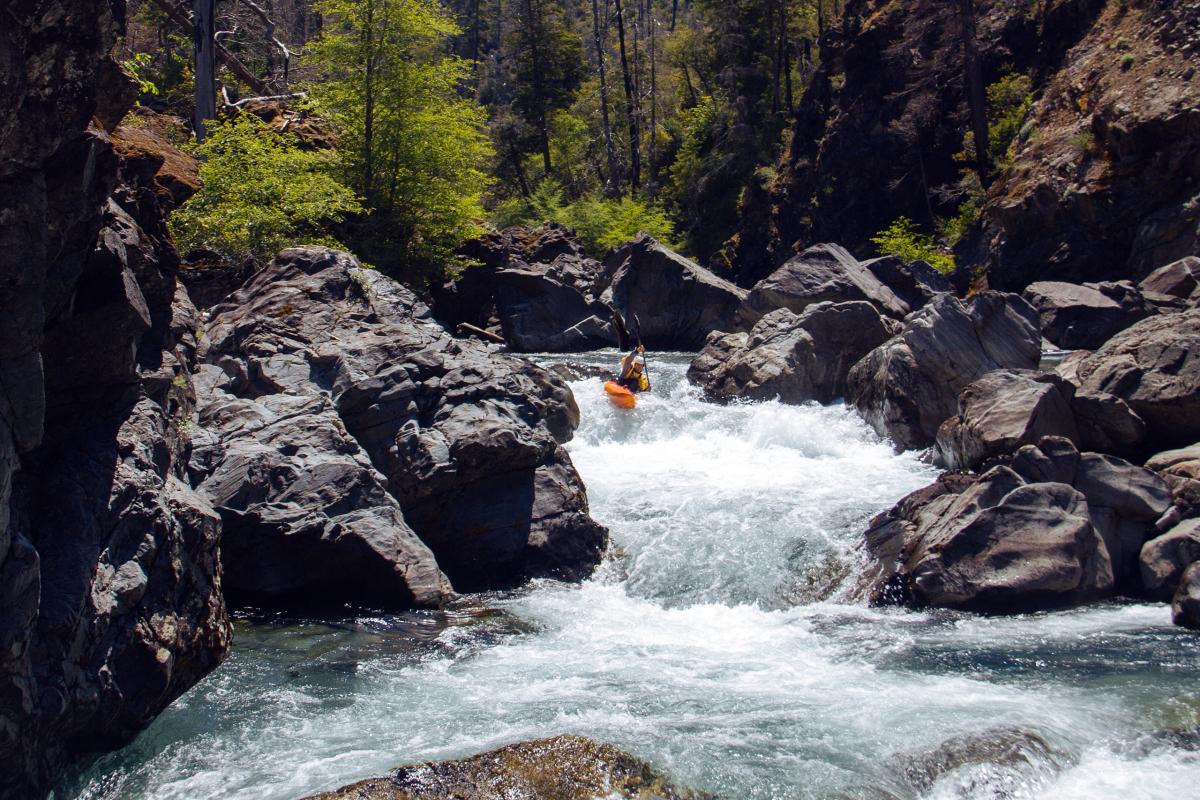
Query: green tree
[
  {"x": 260, "y": 192},
  {"x": 412, "y": 145}
]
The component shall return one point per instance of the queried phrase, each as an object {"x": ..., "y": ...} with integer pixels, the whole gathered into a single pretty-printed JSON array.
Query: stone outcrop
[
  {"x": 1083, "y": 317},
  {"x": 1054, "y": 527},
  {"x": 561, "y": 768},
  {"x": 468, "y": 440},
  {"x": 677, "y": 301},
  {"x": 908, "y": 386},
  {"x": 109, "y": 576},
  {"x": 1185, "y": 606},
  {"x": 1165, "y": 558},
  {"x": 794, "y": 358},
  {"x": 824, "y": 273},
  {"x": 1154, "y": 366},
  {"x": 914, "y": 282},
  {"x": 1006, "y": 409},
  {"x": 1177, "y": 282}
]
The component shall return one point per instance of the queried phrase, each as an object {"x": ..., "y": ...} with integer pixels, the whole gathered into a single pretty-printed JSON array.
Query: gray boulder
[
  {"x": 914, "y": 282},
  {"x": 468, "y": 439},
  {"x": 677, "y": 301},
  {"x": 824, "y": 273},
  {"x": 1185, "y": 606},
  {"x": 1078, "y": 317},
  {"x": 907, "y": 387},
  {"x": 1154, "y": 366},
  {"x": 795, "y": 358},
  {"x": 1177, "y": 281},
  {"x": 1002, "y": 411},
  {"x": 1164, "y": 558},
  {"x": 540, "y": 312}
]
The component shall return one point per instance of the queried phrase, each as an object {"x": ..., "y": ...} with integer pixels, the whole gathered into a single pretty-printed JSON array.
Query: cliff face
[
  {"x": 1101, "y": 180},
  {"x": 109, "y": 578}
]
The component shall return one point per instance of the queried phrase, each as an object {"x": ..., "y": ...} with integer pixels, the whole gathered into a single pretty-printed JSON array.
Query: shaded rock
[
  {"x": 540, "y": 312},
  {"x": 468, "y": 439},
  {"x": 1002, "y": 411},
  {"x": 1184, "y": 462},
  {"x": 1077, "y": 317},
  {"x": 1153, "y": 366},
  {"x": 797, "y": 358},
  {"x": 561, "y": 768},
  {"x": 1107, "y": 424},
  {"x": 1165, "y": 558},
  {"x": 678, "y": 302},
  {"x": 914, "y": 282},
  {"x": 1185, "y": 606},
  {"x": 908, "y": 386},
  {"x": 826, "y": 272}
]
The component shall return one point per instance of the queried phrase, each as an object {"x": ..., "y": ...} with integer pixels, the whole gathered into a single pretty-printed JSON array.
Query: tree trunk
[
  {"x": 653, "y": 142},
  {"x": 635, "y": 159},
  {"x": 614, "y": 176},
  {"x": 204, "y": 49},
  {"x": 976, "y": 96}
]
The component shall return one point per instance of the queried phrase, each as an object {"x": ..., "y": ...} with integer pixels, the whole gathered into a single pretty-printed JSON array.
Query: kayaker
[{"x": 633, "y": 371}]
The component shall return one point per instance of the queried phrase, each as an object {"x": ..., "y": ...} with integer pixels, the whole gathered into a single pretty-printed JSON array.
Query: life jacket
[{"x": 634, "y": 374}]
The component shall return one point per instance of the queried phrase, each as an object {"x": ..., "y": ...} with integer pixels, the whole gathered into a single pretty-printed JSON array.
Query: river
[{"x": 717, "y": 642}]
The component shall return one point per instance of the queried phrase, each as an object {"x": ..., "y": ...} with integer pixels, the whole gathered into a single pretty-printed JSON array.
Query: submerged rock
[
  {"x": 1004, "y": 748},
  {"x": 468, "y": 439},
  {"x": 561, "y": 768},
  {"x": 907, "y": 387},
  {"x": 797, "y": 358}
]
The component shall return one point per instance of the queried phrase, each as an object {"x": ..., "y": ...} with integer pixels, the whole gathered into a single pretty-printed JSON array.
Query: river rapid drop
[{"x": 718, "y": 641}]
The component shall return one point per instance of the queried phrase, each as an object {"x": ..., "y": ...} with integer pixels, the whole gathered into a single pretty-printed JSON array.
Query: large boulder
[
  {"x": 1185, "y": 606},
  {"x": 307, "y": 519},
  {"x": 823, "y": 273},
  {"x": 468, "y": 439},
  {"x": 907, "y": 387},
  {"x": 539, "y": 311},
  {"x": 561, "y": 768},
  {"x": 1078, "y": 317},
  {"x": 1054, "y": 527},
  {"x": 1177, "y": 281},
  {"x": 677, "y": 301},
  {"x": 794, "y": 358},
  {"x": 1164, "y": 559},
  {"x": 1154, "y": 366},
  {"x": 914, "y": 282}
]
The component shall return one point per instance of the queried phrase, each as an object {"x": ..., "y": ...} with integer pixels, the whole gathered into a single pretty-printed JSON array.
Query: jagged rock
[
  {"x": 908, "y": 386},
  {"x": 797, "y": 358},
  {"x": 1078, "y": 317},
  {"x": 1153, "y": 366},
  {"x": 561, "y": 768},
  {"x": 914, "y": 282},
  {"x": 1107, "y": 424},
  {"x": 677, "y": 301},
  {"x": 1002, "y": 411},
  {"x": 540, "y": 312},
  {"x": 307, "y": 519},
  {"x": 1179, "y": 280},
  {"x": 1165, "y": 558},
  {"x": 1185, "y": 606},
  {"x": 469, "y": 439},
  {"x": 826, "y": 272},
  {"x": 1055, "y": 527}
]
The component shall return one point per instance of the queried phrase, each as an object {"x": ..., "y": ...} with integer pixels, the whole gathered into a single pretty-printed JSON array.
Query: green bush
[
  {"x": 602, "y": 223},
  {"x": 1009, "y": 100},
  {"x": 904, "y": 240},
  {"x": 260, "y": 192}
]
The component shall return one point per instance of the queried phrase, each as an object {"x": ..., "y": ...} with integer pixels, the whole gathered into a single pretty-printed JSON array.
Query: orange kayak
[{"x": 619, "y": 396}]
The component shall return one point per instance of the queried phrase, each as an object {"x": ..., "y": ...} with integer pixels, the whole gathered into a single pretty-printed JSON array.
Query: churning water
[{"x": 715, "y": 643}]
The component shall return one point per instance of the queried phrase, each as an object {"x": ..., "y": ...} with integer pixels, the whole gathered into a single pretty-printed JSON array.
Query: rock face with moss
[
  {"x": 562, "y": 768},
  {"x": 109, "y": 576},
  {"x": 322, "y": 362}
]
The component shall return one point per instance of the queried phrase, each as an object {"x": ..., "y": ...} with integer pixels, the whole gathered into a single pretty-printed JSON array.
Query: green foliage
[
  {"x": 1127, "y": 61},
  {"x": 260, "y": 192},
  {"x": 903, "y": 239},
  {"x": 1009, "y": 100},
  {"x": 138, "y": 67},
  {"x": 955, "y": 228},
  {"x": 412, "y": 145},
  {"x": 602, "y": 223}
]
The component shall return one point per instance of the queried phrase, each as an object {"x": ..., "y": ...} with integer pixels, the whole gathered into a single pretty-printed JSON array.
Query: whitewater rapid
[{"x": 718, "y": 641}]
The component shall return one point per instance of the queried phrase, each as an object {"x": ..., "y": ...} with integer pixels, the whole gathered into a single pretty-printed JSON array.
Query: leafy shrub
[
  {"x": 1009, "y": 100},
  {"x": 260, "y": 192},
  {"x": 956, "y": 227},
  {"x": 904, "y": 240}
]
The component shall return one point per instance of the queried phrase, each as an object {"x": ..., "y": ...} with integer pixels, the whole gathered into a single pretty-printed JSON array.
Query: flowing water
[{"x": 714, "y": 643}]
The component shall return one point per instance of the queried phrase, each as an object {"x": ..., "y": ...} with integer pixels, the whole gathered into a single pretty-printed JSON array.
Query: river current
[{"x": 717, "y": 642}]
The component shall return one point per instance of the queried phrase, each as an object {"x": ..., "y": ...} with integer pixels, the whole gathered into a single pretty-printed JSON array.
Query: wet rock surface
[
  {"x": 794, "y": 357},
  {"x": 468, "y": 439},
  {"x": 907, "y": 387},
  {"x": 562, "y": 768}
]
